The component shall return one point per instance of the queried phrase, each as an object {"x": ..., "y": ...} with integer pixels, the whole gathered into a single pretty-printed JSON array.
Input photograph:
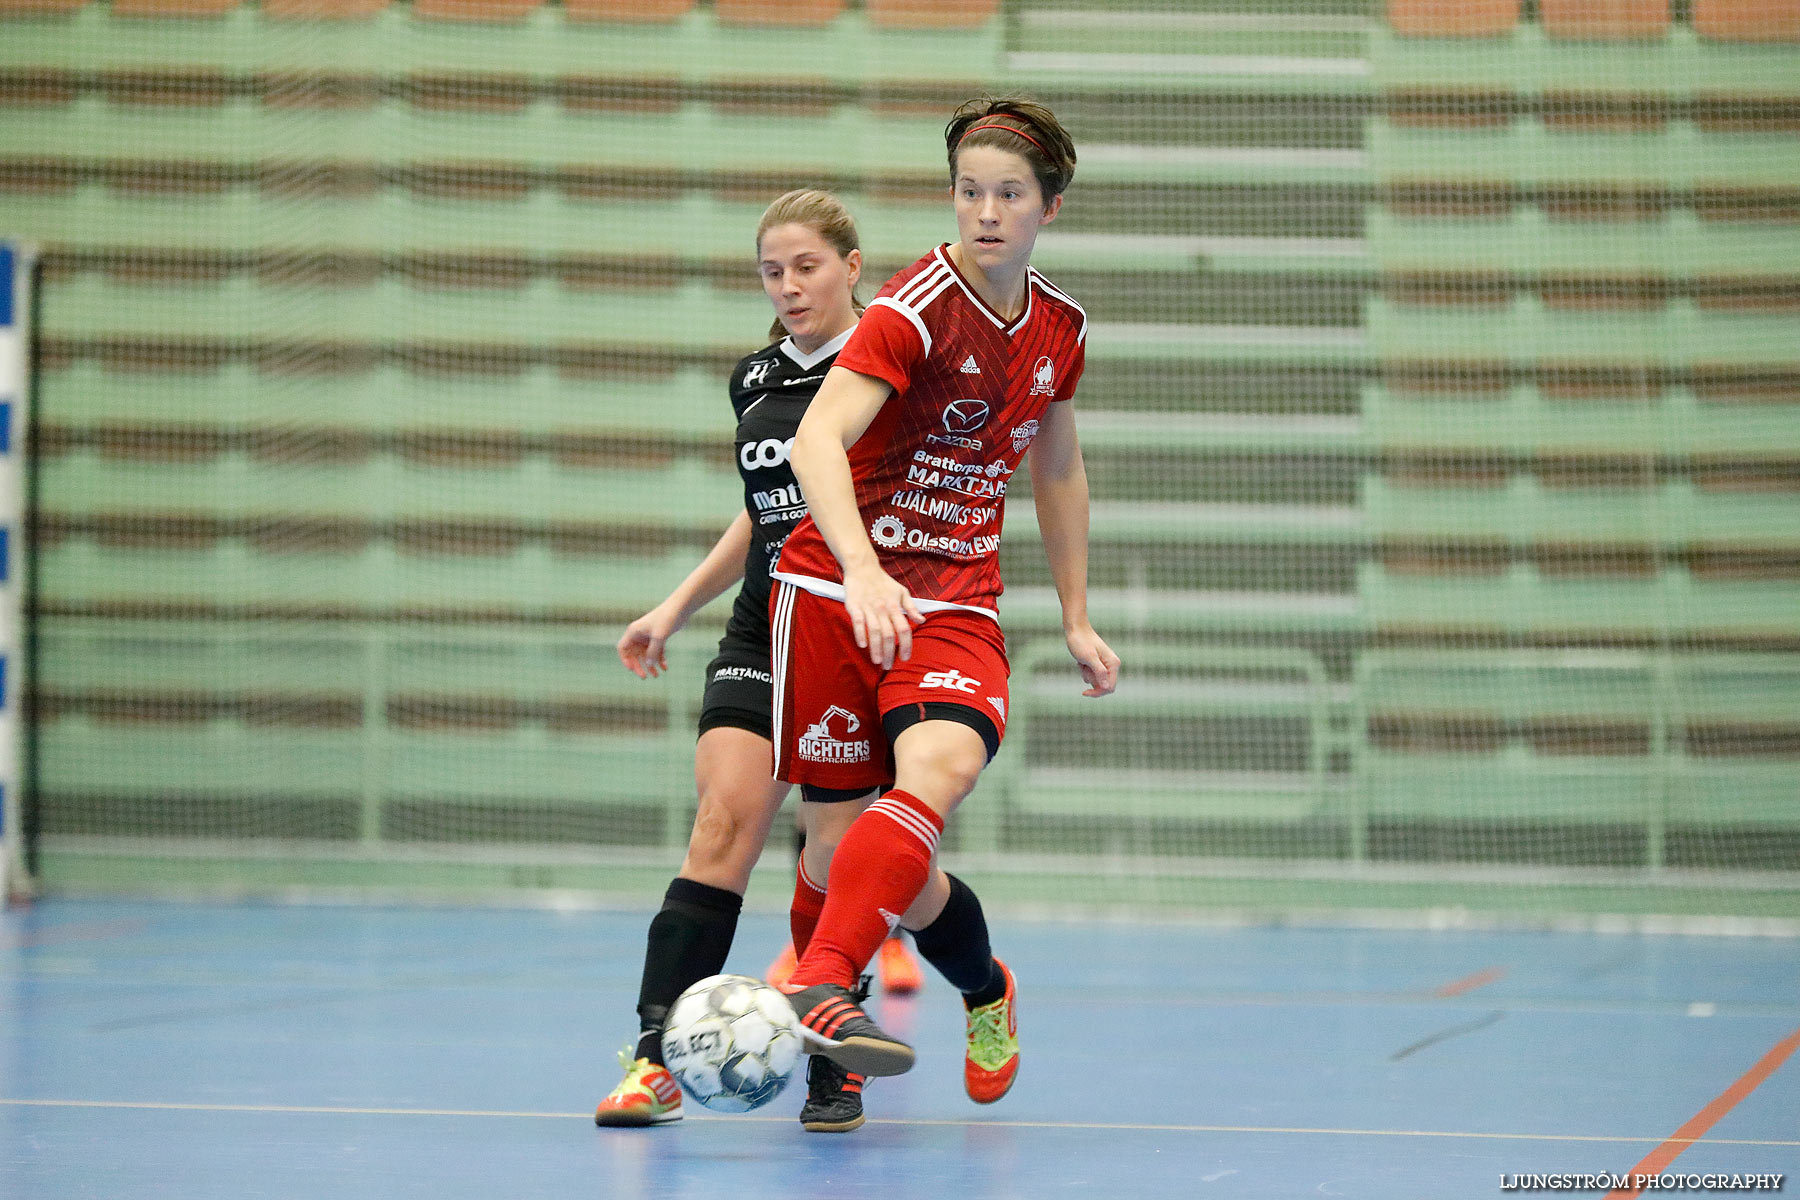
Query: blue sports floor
[{"x": 195, "y": 1051}]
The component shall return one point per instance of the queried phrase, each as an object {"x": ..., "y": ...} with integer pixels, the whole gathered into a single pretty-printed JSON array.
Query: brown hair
[
  {"x": 825, "y": 215},
  {"x": 1022, "y": 127}
]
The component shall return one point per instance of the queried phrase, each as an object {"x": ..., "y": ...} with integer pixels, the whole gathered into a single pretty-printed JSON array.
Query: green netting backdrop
[{"x": 1442, "y": 416}]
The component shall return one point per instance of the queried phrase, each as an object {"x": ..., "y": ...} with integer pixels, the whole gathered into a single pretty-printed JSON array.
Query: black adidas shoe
[
  {"x": 833, "y": 1097},
  {"x": 835, "y": 1026}
]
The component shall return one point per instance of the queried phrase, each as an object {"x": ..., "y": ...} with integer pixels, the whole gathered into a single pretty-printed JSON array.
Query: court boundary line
[
  {"x": 1470, "y": 983},
  {"x": 1500, "y": 917},
  {"x": 1097, "y": 1126},
  {"x": 1715, "y": 1110}
]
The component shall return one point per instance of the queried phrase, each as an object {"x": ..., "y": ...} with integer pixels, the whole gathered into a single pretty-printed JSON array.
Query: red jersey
[{"x": 932, "y": 469}]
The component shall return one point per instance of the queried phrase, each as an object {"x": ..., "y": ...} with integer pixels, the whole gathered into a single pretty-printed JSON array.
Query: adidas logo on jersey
[{"x": 969, "y": 367}]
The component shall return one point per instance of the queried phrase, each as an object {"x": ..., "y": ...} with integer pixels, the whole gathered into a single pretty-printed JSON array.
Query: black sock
[
  {"x": 688, "y": 941},
  {"x": 957, "y": 945}
]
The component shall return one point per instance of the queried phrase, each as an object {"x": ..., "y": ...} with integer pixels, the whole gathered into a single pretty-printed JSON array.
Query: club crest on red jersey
[{"x": 1043, "y": 377}]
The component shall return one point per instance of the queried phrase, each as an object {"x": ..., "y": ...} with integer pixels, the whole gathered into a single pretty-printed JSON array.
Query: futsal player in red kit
[
  {"x": 888, "y": 658},
  {"x": 808, "y": 256}
]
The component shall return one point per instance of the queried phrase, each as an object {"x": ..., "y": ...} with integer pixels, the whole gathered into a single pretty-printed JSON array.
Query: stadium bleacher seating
[
  {"x": 176, "y": 9},
  {"x": 1610, "y": 758},
  {"x": 1453, "y": 18},
  {"x": 37, "y": 8},
  {"x": 475, "y": 10},
  {"x": 932, "y": 14},
  {"x": 371, "y": 351},
  {"x": 1748, "y": 20},
  {"x": 635, "y": 11},
  {"x": 1605, "y": 20},
  {"x": 321, "y": 10},
  {"x": 779, "y": 13}
]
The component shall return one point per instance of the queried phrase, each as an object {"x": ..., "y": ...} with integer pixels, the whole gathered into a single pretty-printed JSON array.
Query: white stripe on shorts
[{"x": 781, "y": 629}]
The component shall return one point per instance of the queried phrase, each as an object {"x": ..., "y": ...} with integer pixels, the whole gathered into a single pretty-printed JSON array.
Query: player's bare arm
[
  {"x": 1059, "y": 489},
  {"x": 643, "y": 647},
  {"x": 882, "y": 612}
]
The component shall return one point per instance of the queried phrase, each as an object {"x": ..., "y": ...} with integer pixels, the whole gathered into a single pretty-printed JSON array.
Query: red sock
[
  {"x": 878, "y": 870},
  {"x": 803, "y": 913}
]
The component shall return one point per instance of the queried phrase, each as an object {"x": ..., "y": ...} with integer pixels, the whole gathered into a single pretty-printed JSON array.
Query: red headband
[{"x": 1006, "y": 129}]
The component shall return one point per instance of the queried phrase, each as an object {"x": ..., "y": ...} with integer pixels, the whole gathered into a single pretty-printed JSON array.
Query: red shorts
[{"x": 831, "y": 701}]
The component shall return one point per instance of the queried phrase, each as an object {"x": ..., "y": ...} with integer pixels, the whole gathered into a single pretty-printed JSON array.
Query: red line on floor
[
  {"x": 1469, "y": 983},
  {"x": 1654, "y": 1162}
]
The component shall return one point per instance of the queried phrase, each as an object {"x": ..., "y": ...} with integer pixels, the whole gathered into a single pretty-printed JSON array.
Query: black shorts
[{"x": 740, "y": 691}]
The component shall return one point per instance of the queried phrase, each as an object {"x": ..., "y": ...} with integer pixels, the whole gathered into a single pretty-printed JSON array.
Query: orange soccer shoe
[
  {"x": 992, "y": 1060},
  {"x": 782, "y": 969},
  {"x": 898, "y": 969},
  {"x": 648, "y": 1095}
]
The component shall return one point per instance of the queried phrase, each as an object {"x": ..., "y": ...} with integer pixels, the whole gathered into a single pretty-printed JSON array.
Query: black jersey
[{"x": 769, "y": 394}]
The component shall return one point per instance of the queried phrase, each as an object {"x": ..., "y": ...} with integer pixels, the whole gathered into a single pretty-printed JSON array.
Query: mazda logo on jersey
[{"x": 965, "y": 416}]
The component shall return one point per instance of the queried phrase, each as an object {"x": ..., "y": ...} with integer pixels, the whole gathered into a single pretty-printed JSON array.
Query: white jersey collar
[{"x": 809, "y": 361}]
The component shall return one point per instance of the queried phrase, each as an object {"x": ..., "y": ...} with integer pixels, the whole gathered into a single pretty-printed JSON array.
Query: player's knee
[
  {"x": 939, "y": 761},
  {"x": 720, "y": 838},
  {"x": 943, "y": 778},
  {"x": 961, "y": 773},
  {"x": 820, "y": 849}
]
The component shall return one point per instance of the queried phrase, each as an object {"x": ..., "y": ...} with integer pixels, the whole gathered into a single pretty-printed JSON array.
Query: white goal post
[{"x": 17, "y": 260}]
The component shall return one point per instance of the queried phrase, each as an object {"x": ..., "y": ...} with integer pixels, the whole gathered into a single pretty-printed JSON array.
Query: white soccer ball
[{"x": 733, "y": 1042}]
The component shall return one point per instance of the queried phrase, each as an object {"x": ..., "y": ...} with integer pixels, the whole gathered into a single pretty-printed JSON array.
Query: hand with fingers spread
[
  {"x": 1099, "y": 665},
  {"x": 643, "y": 647},
  {"x": 882, "y": 614}
]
